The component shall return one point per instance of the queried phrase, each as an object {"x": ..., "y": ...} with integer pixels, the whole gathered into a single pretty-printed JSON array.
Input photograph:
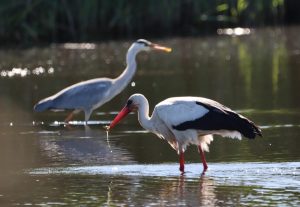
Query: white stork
[{"x": 182, "y": 121}]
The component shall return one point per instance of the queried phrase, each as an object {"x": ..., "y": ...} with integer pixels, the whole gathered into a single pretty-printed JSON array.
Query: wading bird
[
  {"x": 182, "y": 121},
  {"x": 88, "y": 95}
]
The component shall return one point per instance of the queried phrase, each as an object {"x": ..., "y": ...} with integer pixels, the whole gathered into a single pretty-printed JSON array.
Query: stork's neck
[
  {"x": 143, "y": 115},
  {"x": 122, "y": 81}
]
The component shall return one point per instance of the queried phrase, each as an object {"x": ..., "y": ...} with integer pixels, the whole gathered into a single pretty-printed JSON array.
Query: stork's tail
[
  {"x": 247, "y": 128},
  {"x": 43, "y": 105}
]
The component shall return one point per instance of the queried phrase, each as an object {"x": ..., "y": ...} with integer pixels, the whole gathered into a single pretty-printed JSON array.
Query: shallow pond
[{"x": 44, "y": 163}]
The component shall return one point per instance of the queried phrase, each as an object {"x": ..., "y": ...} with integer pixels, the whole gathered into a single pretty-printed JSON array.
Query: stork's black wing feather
[{"x": 220, "y": 117}]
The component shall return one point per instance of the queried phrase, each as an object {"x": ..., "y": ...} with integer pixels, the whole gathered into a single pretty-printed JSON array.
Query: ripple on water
[
  {"x": 79, "y": 123},
  {"x": 268, "y": 175}
]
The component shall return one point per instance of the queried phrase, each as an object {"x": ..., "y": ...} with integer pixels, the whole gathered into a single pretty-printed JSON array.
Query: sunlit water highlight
[
  {"x": 267, "y": 175},
  {"x": 79, "y": 123},
  {"x": 103, "y": 123}
]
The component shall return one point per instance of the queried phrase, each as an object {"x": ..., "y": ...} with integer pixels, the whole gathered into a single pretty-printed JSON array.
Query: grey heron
[
  {"x": 88, "y": 95},
  {"x": 182, "y": 121}
]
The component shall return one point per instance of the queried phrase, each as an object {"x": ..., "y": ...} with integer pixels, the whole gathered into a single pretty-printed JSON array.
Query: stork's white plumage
[
  {"x": 88, "y": 95},
  {"x": 189, "y": 120}
]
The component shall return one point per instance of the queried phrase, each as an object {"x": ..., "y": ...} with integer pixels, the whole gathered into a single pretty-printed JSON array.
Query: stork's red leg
[
  {"x": 202, "y": 158},
  {"x": 181, "y": 161}
]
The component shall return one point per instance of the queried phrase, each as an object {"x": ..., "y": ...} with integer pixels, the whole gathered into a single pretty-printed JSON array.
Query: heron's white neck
[
  {"x": 122, "y": 81},
  {"x": 143, "y": 115}
]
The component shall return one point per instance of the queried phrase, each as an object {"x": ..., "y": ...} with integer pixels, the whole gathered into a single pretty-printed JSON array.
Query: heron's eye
[{"x": 129, "y": 102}]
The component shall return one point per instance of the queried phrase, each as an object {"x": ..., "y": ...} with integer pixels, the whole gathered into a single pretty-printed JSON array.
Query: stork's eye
[{"x": 129, "y": 102}]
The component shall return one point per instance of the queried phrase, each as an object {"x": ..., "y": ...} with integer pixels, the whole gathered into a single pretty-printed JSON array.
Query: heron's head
[
  {"x": 133, "y": 103},
  {"x": 145, "y": 45}
]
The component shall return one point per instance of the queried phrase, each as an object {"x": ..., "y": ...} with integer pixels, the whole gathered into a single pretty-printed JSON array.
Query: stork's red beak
[
  {"x": 159, "y": 47},
  {"x": 119, "y": 117}
]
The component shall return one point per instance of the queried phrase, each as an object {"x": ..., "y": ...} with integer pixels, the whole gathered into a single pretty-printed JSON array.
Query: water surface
[{"x": 45, "y": 163}]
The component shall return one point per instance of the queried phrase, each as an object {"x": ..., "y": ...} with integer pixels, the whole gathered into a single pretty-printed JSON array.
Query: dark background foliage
[{"x": 44, "y": 21}]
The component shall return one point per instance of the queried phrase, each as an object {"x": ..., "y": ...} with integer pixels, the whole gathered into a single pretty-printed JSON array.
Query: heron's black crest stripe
[
  {"x": 221, "y": 119},
  {"x": 146, "y": 43}
]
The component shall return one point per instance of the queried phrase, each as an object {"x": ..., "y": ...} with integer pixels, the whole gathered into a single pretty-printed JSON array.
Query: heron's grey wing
[{"x": 82, "y": 95}]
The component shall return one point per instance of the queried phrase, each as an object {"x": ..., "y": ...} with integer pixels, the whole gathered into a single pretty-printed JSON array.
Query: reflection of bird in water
[
  {"x": 82, "y": 147},
  {"x": 161, "y": 191},
  {"x": 189, "y": 120},
  {"x": 88, "y": 95},
  {"x": 190, "y": 192}
]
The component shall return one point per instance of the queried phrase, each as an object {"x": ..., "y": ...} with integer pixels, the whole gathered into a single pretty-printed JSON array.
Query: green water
[{"x": 44, "y": 163}]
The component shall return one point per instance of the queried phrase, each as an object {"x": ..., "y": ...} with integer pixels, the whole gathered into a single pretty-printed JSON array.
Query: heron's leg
[
  {"x": 202, "y": 158},
  {"x": 87, "y": 114},
  {"x": 71, "y": 115},
  {"x": 181, "y": 161}
]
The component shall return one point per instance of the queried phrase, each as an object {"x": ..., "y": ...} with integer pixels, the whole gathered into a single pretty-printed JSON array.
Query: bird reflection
[
  {"x": 109, "y": 194},
  {"x": 77, "y": 146},
  {"x": 191, "y": 192},
  {"x": 162, "y": 191}
]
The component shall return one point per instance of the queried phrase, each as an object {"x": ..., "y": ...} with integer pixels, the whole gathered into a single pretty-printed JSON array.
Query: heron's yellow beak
[{"x": 159, "y": 47}]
